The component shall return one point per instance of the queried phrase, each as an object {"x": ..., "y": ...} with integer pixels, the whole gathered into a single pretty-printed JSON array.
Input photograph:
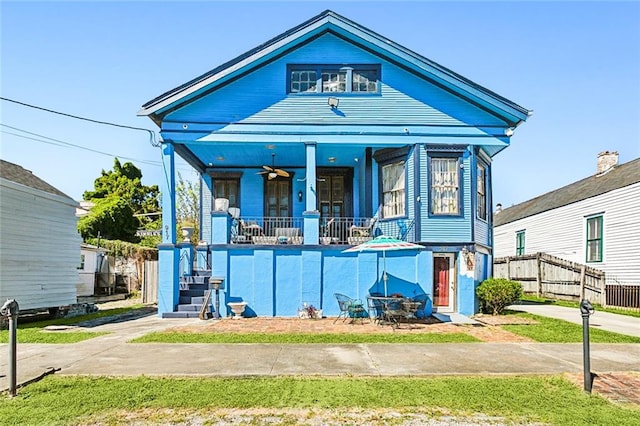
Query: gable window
[
  {"x": 333, "y": 78},
  {"x": 594, "y": 239},
  {"x": 481, "y": 183},
  {"x": 393, "y": 194},
  {"x": 303, "y": 81},
  {"x": 445, "y": 198},
  {"x": 519, "y": 243}
]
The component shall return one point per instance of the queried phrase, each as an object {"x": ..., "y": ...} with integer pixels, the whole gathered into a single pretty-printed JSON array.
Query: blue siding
[
  {"x": 205, "y": 208},
  {"x": 482, "y": 231},
  {"x": 261, "y": 97},
  {"x": 411, "y": 190}
]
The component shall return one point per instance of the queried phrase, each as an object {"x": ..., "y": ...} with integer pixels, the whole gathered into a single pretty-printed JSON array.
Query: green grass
[
  {"x": 58, "y": 337},
  {"x": 568, "y": 304},
  {"x": 550, "y": 330},
  {"x": 80, "y": 318},
  {"x": 33, "y": 332},
  {"x": 541, "y": 399},
  {"x": 333, "y": 338}
]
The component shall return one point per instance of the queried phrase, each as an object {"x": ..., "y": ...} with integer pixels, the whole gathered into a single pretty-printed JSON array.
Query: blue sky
[{"x": 575, "y": 64}]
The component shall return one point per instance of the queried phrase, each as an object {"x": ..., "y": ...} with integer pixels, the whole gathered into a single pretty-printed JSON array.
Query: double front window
[
  {"x": 445, "y": 198},
  {"x": 393, "y": 194},
  {"x": 333, "y": 78}
]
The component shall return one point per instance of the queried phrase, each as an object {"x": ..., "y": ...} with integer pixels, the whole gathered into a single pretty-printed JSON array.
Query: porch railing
[
  {"x": 267, "y": 230},
  {"x": 337, "y": 230},
  {"x": 355, "y": 230}
]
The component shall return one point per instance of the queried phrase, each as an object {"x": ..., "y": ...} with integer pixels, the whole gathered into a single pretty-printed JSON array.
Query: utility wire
[
  {"x": 59, "y": 142},
  {"x": 152, "y": 135}
]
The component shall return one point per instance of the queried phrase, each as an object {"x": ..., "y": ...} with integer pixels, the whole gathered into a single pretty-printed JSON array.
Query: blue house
[{"x": 321, "y": 138}]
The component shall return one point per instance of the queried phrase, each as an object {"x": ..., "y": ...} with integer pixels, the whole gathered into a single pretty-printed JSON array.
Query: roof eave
[{"x": 511, "y": 112}]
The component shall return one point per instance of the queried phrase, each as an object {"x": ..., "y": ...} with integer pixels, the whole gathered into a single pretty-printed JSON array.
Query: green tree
[
  {"x": 188, "y": 206},
  {"x": 122, "y": 204}
]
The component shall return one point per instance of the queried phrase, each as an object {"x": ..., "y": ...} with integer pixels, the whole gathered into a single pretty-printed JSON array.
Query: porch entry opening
[
  {"x": 335, "y": 199},
  {"x": 443, "y": 282}
]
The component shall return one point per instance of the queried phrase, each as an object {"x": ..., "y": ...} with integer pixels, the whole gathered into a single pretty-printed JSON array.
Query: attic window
[{"x": 333, "y": 78}]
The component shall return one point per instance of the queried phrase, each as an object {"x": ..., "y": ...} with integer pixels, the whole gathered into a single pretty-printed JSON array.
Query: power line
[
  {"x": 152, "y": 135},
  {"x": 58, "y": 142}
]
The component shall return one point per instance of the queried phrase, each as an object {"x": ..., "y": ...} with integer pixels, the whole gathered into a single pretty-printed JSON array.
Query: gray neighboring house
[
  {"x": 595, "y": 221},
  {"x": 39, "y": 241}
]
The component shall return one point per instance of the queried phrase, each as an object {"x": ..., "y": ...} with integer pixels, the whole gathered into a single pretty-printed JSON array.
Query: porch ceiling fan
[{"x": 271, "y": 171}]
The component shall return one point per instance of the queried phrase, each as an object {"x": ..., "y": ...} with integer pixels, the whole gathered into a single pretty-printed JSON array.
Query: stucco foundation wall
[{"x": 278, "y": 281}]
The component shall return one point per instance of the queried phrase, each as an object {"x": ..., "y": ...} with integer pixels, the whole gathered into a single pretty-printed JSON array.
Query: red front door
[{"x": 442, "y": 282}]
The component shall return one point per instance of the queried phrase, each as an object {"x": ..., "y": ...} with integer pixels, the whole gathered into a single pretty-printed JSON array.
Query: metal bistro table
[{"x": 390, "y": 310}]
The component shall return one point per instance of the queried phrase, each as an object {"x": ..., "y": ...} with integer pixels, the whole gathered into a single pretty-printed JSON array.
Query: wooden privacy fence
[
  {"x": 150, "y": 282},
  {"x": 545, "y": 275}
]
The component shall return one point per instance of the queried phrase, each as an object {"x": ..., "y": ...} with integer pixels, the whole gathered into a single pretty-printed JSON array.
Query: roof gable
[
  {"x": 620, "y": 176},
  {"x": 329, "y": 21},
  {"x": 17, "y": 174}
]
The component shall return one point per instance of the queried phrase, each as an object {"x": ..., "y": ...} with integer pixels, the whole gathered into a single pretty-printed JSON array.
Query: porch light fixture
[
  {"x": 333, "y": 102},
  {"x": 299, "y": 195}
]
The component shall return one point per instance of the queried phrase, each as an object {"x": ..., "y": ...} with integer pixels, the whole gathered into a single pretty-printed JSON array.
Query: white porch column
[
  {"x": 168, "y": 253},
  {"x": 311, "y": 214},
  {"x": 310, "y": 196}
]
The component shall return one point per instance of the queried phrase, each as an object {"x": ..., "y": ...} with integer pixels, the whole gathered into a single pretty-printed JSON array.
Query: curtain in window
[
  {"x": 444, "y": 186},
  {"x": 393, "y": 190}
]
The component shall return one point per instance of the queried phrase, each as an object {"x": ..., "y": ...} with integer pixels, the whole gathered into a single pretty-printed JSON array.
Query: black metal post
[
  {"x": 586, "y": 309},
  {"x": 10, "y": 310},
  {"x": 216, "y": 314}
]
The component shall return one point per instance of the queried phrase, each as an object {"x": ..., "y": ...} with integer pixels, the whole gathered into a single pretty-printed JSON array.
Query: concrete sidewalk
[
  {"x": 111, "y": 355},
  {"x": 622, "y": 324}
]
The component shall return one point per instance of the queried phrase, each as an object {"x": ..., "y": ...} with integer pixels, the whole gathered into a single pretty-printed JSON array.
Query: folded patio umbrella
[{"x": 383, "y": 244}]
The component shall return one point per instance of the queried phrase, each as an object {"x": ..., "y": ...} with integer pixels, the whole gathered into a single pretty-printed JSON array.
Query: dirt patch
[{"x": 483, "y": 332}]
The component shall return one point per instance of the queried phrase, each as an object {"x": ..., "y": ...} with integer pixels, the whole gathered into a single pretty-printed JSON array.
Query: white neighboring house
[
  {"x": 39, "y": 241},
  {"x": 93, "y": 260},
  {"x": 595, "y": 221}
]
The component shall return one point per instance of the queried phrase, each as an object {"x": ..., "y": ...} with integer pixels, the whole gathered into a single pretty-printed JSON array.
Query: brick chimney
[{"x": 606, "y": 161}]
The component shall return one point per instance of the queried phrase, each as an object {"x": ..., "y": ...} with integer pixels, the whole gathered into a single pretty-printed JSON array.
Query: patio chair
[
  {"x": 422, "y": 299},
  {"x": 350, "y": 308},
  {"x": 375, "y": 308},
  {"x": 393, "y": 311}
]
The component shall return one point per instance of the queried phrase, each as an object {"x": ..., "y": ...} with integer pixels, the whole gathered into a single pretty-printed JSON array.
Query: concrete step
[
  {"x": 191, "y": 293},
  {"x": 180, "y": 315},
  {"x": 202, "y": 272},
  {"x": 200, "y": 287},
  {"x": 189, "y": 308}
]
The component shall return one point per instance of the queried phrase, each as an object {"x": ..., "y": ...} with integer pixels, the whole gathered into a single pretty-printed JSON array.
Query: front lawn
[
  {"x": 551, "y": 400},
  {"x": 568, "y": 304},
  {"x": 551, "y": 330},
  {"x": 34, "y": 332}
]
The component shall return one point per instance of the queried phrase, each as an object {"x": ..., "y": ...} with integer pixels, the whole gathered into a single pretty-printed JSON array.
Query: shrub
[{"x": 496, "y": 294}]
